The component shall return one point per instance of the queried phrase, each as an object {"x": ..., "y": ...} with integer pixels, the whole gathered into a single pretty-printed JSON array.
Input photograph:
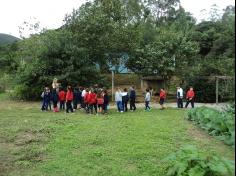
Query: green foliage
[
  {"x": 219, "y": 124},
  {"x": 204, "y": 88},
  {"x": 56, "y": 55},
  {"x": 156, "y": 37},
  {"x": 188, "y": 161}
]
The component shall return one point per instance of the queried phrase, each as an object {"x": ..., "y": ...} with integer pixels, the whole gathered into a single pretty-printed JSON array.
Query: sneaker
[{"x": 121, "y": 111}]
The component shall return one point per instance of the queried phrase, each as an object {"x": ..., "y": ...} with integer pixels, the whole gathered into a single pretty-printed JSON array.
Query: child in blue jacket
[{"x": 46, "y": 96}]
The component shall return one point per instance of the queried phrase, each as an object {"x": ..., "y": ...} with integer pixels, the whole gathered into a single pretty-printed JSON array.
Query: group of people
[
  {"x": 95, "y": 100},
  {"x": 123, "y": 97},
  {"x": 189, "y": 97}
]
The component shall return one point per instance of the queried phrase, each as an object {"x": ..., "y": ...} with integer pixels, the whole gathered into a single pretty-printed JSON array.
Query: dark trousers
[
  {"x": 49, "y": 105},
  {"x": 147, "y": 105},
  {"x": 180, "y": 103},
  {"x": 82, "y": 103},
  {"x": 105, "y": 107},
  {"x": 45, "y": 105},
  {"x": 62, "y": 105},
  {"x": 69, "y": 106},
  {"x": 132, "y": 104},
  {"x": 75, "y": 103},
  {"x": 190, "y": 101},
  {"x": 54, "y": 104},
  {"x": 91, "y": 106},
  {"x": 125, "y": 105}
]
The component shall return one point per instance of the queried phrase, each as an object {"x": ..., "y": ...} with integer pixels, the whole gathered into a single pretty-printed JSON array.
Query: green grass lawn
[{"x": 130, "y": 144}]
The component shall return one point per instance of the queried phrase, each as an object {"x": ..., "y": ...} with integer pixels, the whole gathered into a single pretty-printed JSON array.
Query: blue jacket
[
  {"x": 132, "y": 94},
  {"x": 76, "y": 95},
  {"x": 46, "y": 96},
  {"x": 106, "y": 99}
]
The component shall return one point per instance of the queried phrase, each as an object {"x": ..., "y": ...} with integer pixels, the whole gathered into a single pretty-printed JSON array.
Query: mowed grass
[{"x": 35, "y": 143}]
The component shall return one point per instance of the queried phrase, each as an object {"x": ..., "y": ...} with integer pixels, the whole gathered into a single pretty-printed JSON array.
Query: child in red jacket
[
  {"x": 69, "y": 99},
  {"x": 190, "y": 97},
  {"x": 92, "y": 101},
  {"x": 100, "y": 102},
  {"x": 162, "y": 98},
  {"x": 62, "y": 99}
]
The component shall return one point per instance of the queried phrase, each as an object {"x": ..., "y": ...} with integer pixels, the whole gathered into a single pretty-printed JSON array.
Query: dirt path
[{"x": 174, "y": 105}]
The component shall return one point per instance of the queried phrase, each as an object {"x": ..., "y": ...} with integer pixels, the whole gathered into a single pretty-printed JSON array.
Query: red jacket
[
  {"x": 92, "y": 98},
  {"x": 69, "y": 96},
  {"x": 62, "y": 95},
  {"x": 190, "y": 94},
  {"x": 100, "y": 101},
  {"x": 86, "y": 97},
  {"x": 163, "y": 94}
]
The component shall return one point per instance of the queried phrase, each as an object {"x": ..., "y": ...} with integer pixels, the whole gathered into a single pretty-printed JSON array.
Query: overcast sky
[{"x": 50, "y": 13}]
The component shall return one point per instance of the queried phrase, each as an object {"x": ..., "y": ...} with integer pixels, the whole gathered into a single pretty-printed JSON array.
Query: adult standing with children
[
  {"x": 55, "y": 84},
  {"x": 180, "y": 95}
]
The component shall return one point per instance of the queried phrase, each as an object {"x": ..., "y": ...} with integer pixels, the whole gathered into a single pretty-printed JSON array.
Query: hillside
[{"x": 7, "y": 39}]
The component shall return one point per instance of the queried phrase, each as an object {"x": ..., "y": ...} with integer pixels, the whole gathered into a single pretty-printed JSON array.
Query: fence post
[
  {"x": 217, "y": 90},
  {"x": 112, "y": 90}
]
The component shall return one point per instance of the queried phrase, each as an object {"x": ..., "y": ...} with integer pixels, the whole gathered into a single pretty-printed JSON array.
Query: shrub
[
  {"x": 188, "y": 161},
  {"x": 217, "y": 123}
]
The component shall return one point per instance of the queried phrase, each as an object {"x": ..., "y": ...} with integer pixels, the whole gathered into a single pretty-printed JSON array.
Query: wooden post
[
  {"x": 112, "y": 90},
  {"x": 141, "y": 83},
  {"x": 217, "y": 90}
]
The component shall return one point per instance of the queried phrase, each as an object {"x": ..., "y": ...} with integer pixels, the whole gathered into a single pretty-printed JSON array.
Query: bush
[
  {"x": 188, "y": 161},
  {"x": 23, "y": 92},
  {"x": 219, "y": 124},
  {"x": 205, "y": 90}
]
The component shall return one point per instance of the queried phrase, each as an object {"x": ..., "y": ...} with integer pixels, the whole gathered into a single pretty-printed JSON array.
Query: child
[
  {"x": 132, "y": 99},
  {"x": 83, "y": 105},
  {"x": 92, "y": 101},
  {"x": 190, "y": 97},
  {"x": 118, "y": 99},
  {"x": 125, "y": 99},
  {"x": 69, "y": 99},
  {"x": 100, "y": 102},
  {"x": 76, "y": 98},
  {"x": 62, "y": 98},
  {"x": 46, "y": 99},
  {"x": 106, "y": 101},
  {"x": 162, "y": 98},
  {"x": 147, "y": 100},
  {"x": 80, "y": 97},
  {"x": 55, "y": 99}
]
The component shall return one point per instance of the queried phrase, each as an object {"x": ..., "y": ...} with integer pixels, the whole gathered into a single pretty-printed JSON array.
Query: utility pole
[{"x": 112, "y": 89}]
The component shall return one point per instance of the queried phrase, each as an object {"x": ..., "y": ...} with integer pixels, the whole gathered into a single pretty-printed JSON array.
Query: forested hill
[{"x": 7, "y": 39}]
